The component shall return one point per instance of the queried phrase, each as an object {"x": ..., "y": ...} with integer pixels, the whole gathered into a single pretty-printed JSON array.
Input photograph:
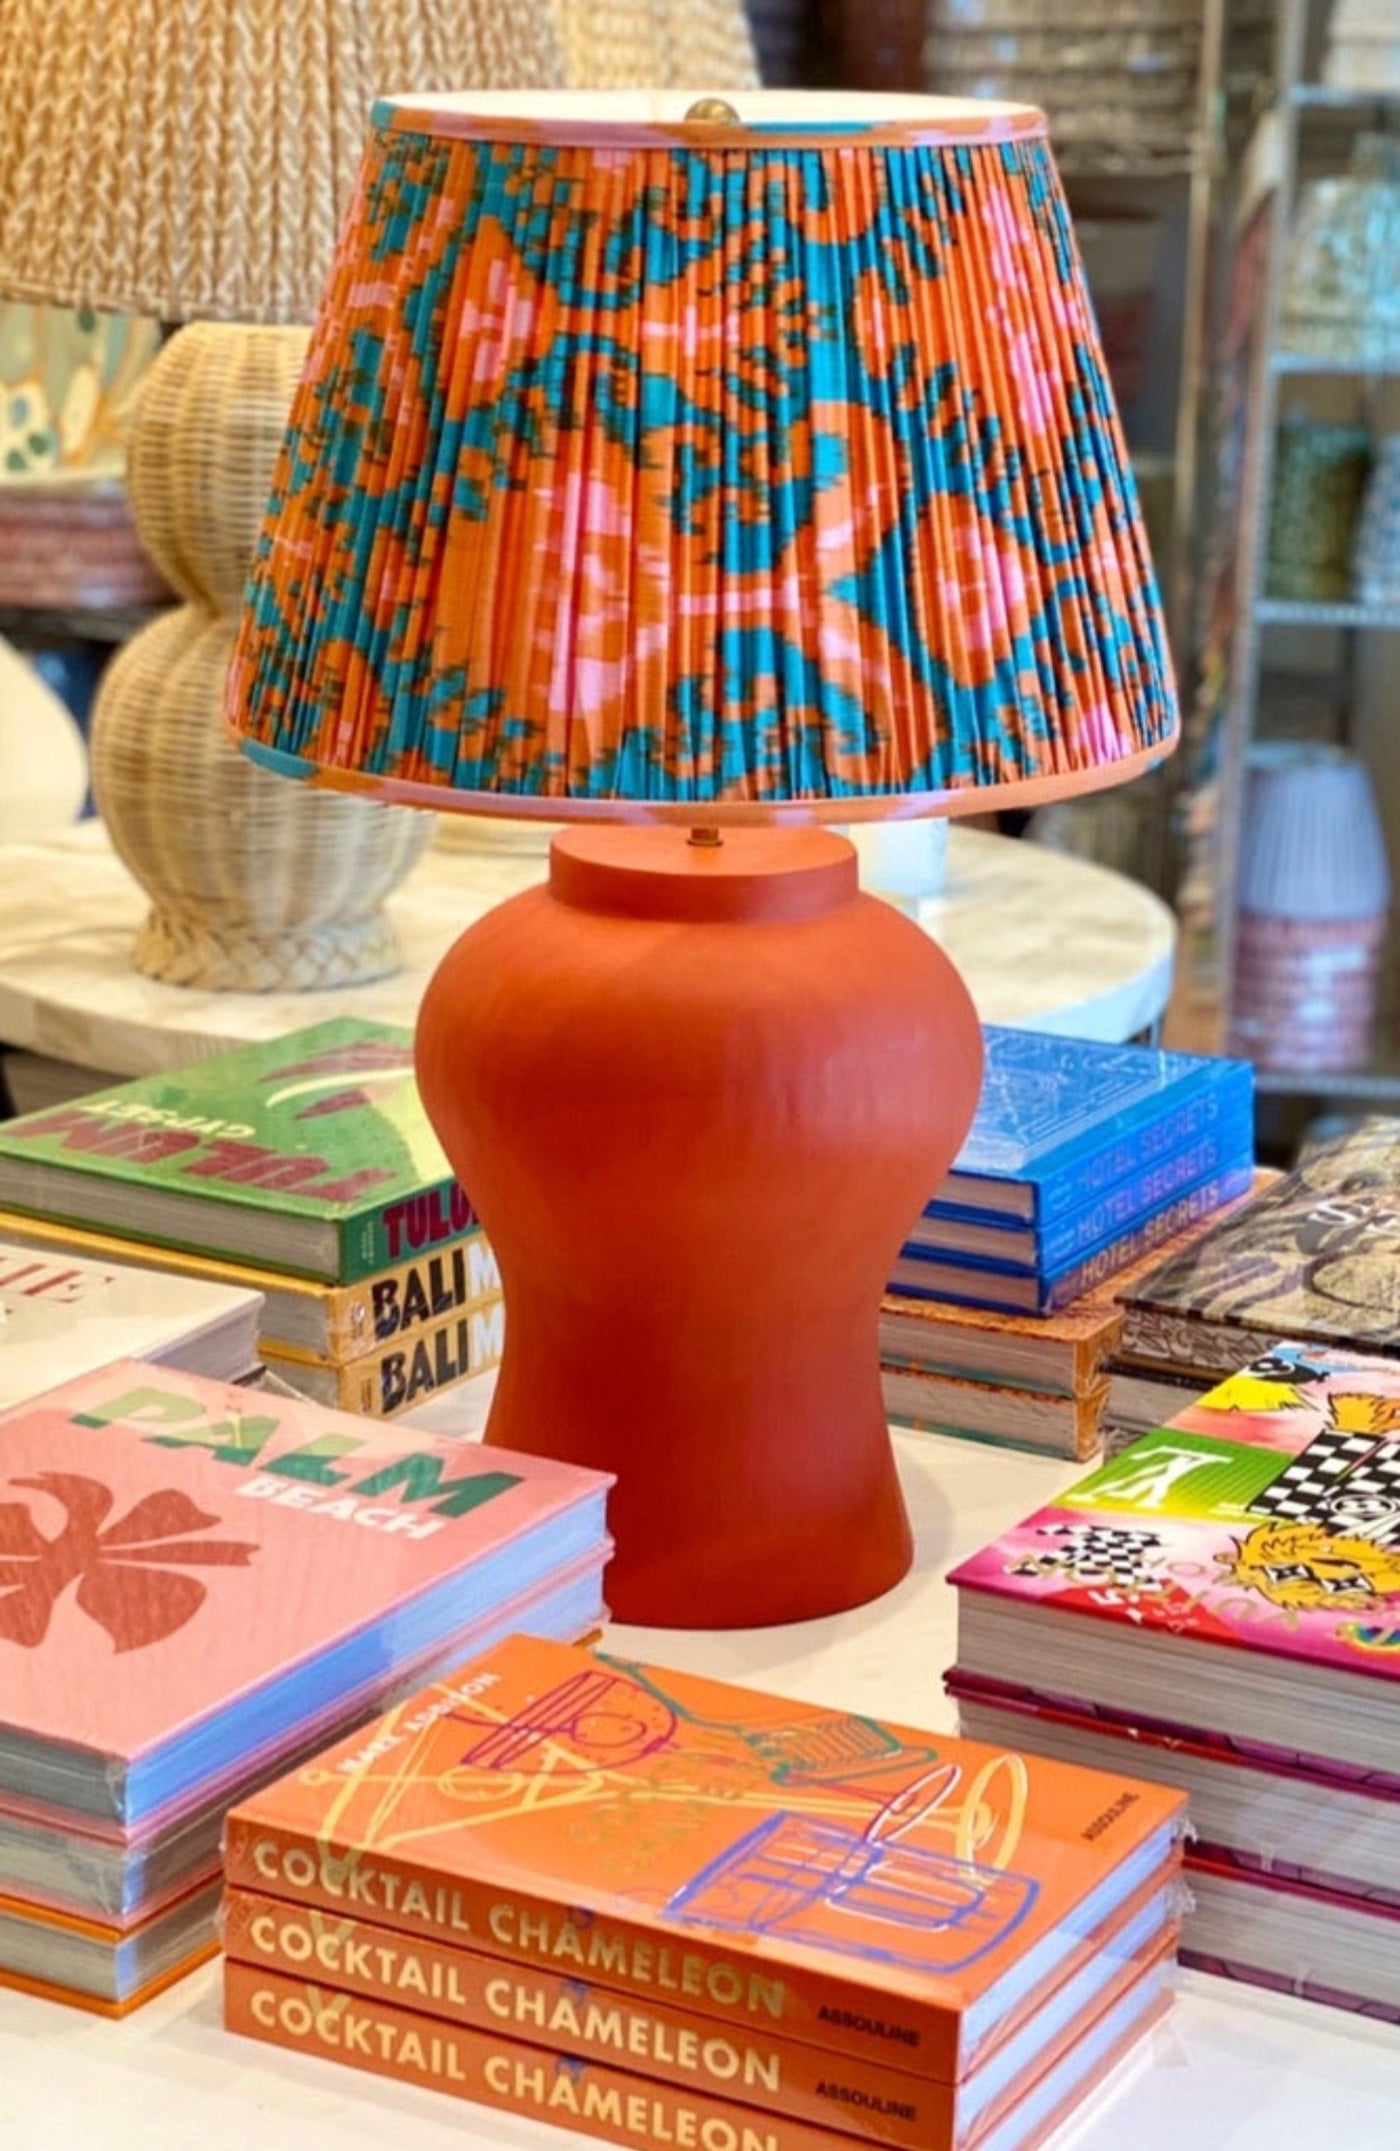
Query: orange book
[
  {"x": 861, "y": 1886},
  {"x": 615, "y": 2104},
  {"x": 657, "y": 2039}
]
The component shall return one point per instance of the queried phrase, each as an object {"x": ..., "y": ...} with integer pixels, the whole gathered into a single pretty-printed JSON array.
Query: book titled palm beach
[
  {"x": 309, "y": 1153},
  {"x": 199, "y": 1582}
]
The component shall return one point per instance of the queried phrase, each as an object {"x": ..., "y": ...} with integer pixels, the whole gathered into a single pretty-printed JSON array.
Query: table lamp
[
  {"x": 722, "y": 472},
  {"x": 188, "y": 161}
]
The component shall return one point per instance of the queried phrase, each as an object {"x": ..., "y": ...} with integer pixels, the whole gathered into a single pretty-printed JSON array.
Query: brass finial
[{"x": 716, "y": 110}]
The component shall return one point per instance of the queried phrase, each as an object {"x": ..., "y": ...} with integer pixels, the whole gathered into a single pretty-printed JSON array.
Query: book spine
[
  {"x": 380, "y": 1308},
  {"x": 1221, "y": 1095},
  {"x": 1224, "y": 1099},
  {"x": 1155, "y": 1339},
  {"x": 503, "y": 2073},
  {"x": 974, "y": 1282},
  {"x": 384, "y": 1235},
  {"x": 1195, "y": 1203},
  {"x": 734, "y": 1988},
  {"x": 517, "y": 2001},
  {"x": 1063, "y": 1368},
  {"x": 1228, "y": 1147},
  {"x": 382, "y": 1384}
]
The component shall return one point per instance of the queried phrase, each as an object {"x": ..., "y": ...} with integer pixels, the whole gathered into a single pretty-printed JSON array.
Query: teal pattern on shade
[{"x": 626, "y": 479}]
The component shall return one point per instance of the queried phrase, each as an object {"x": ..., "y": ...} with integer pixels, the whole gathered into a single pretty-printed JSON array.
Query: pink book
[
  {"x": 188, "y": 1570},
  {"x": 1235, "y": 1571},
  {"x": 1319, "y": 1944}
]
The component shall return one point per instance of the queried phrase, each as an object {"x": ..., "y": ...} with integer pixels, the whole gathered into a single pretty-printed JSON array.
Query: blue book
[
  {"x": 971, "y": 1282},
  {"x": 1060, "y": 1120},
  {"x": 1042, "y": 1248}
]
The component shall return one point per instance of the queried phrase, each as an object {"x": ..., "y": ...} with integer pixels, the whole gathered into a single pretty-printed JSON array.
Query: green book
[{"x": 310, "y": 1153}]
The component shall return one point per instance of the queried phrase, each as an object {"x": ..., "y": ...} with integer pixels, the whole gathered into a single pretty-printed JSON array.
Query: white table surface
[
  {"x": 1043, "y": 940},
  {"x": 1230, "y": 2069}
]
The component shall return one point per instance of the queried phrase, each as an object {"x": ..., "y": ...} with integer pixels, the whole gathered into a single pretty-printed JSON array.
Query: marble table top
[{"x": 1043, "y": 940}]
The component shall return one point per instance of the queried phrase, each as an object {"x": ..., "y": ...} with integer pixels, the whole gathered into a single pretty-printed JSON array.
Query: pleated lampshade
[
  {"x": 1312, "y": 845},
  {"x": 1314, "y": 893},
  {"x": 764, "y": 464},
  {"x": 190, "y": 161}
]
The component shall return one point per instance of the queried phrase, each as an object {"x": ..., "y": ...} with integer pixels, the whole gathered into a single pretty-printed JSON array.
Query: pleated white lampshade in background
[
  {"x": 1311, "y": 846},
  {"x": 189, "y": 161},
  {"x": 1314, "y": 891}
]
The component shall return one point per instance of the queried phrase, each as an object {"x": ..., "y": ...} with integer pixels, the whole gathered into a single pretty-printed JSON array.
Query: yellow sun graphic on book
[{"x": 1248, "y": 1392}]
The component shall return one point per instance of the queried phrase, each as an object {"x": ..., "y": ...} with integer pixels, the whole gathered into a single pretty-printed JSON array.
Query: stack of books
[
  {"x": 666, "y": 1910},
  {"x": 199, "y": 1584},
  {"x": 304, "y": 1168},
  {"x": 60, "y": 1314},
  {"x": 1314, "y": 1256},
  {"x": 1084, "y": 1162},
  {"x": 1218, "y": 1608}
]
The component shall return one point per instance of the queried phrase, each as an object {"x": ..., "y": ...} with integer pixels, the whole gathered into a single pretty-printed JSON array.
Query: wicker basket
[{"x": 656, "y": 44}]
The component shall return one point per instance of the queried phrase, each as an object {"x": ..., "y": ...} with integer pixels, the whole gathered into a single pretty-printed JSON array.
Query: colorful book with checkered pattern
[{"x": 1236, "y": 1571}]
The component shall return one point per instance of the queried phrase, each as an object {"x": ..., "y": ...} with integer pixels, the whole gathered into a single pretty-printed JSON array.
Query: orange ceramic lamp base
[{"x": 698, "y": 1095}]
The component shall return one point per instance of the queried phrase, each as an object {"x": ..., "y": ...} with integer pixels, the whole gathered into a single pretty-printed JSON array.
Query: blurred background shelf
[
  {"x": 1305, "y": 612},
  {"x": 1284, "y": 647}
]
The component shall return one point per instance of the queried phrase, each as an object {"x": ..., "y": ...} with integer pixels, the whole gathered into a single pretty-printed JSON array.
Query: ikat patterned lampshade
[{"x": 648, "y": 463}]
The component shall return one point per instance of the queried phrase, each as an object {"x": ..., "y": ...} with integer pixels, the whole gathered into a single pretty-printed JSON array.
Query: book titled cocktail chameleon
[
  {"x": 310, "y": 1153},
  {"x": 845, "y": 1881}
]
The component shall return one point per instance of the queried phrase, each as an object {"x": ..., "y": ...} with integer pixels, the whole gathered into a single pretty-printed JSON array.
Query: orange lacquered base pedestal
[{"x": 698, "y": 1095}]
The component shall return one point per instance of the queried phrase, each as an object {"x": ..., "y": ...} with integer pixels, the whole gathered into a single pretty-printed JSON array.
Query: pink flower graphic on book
[{"x": 127, "y": 1574}]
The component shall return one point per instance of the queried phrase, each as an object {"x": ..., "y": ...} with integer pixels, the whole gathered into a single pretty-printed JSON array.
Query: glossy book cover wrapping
[
  {"x": 174, "y": 1551},
  {"x": 824, "y": 1874},
  {"x": 1068, "y": 1118},
  {"x": 95, "y": 1868},
  {"x": 321, "y": 1127},
  {"x": 1265, "y": 1517},
  {"x": 664, "y": 2040},
  {"x": 1264, "y": 1811},
  {"x": 612, "y": 2103}
]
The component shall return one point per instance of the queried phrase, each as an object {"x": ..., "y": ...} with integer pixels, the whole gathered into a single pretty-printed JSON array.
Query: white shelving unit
[{"x": 1309, "y": 123}]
